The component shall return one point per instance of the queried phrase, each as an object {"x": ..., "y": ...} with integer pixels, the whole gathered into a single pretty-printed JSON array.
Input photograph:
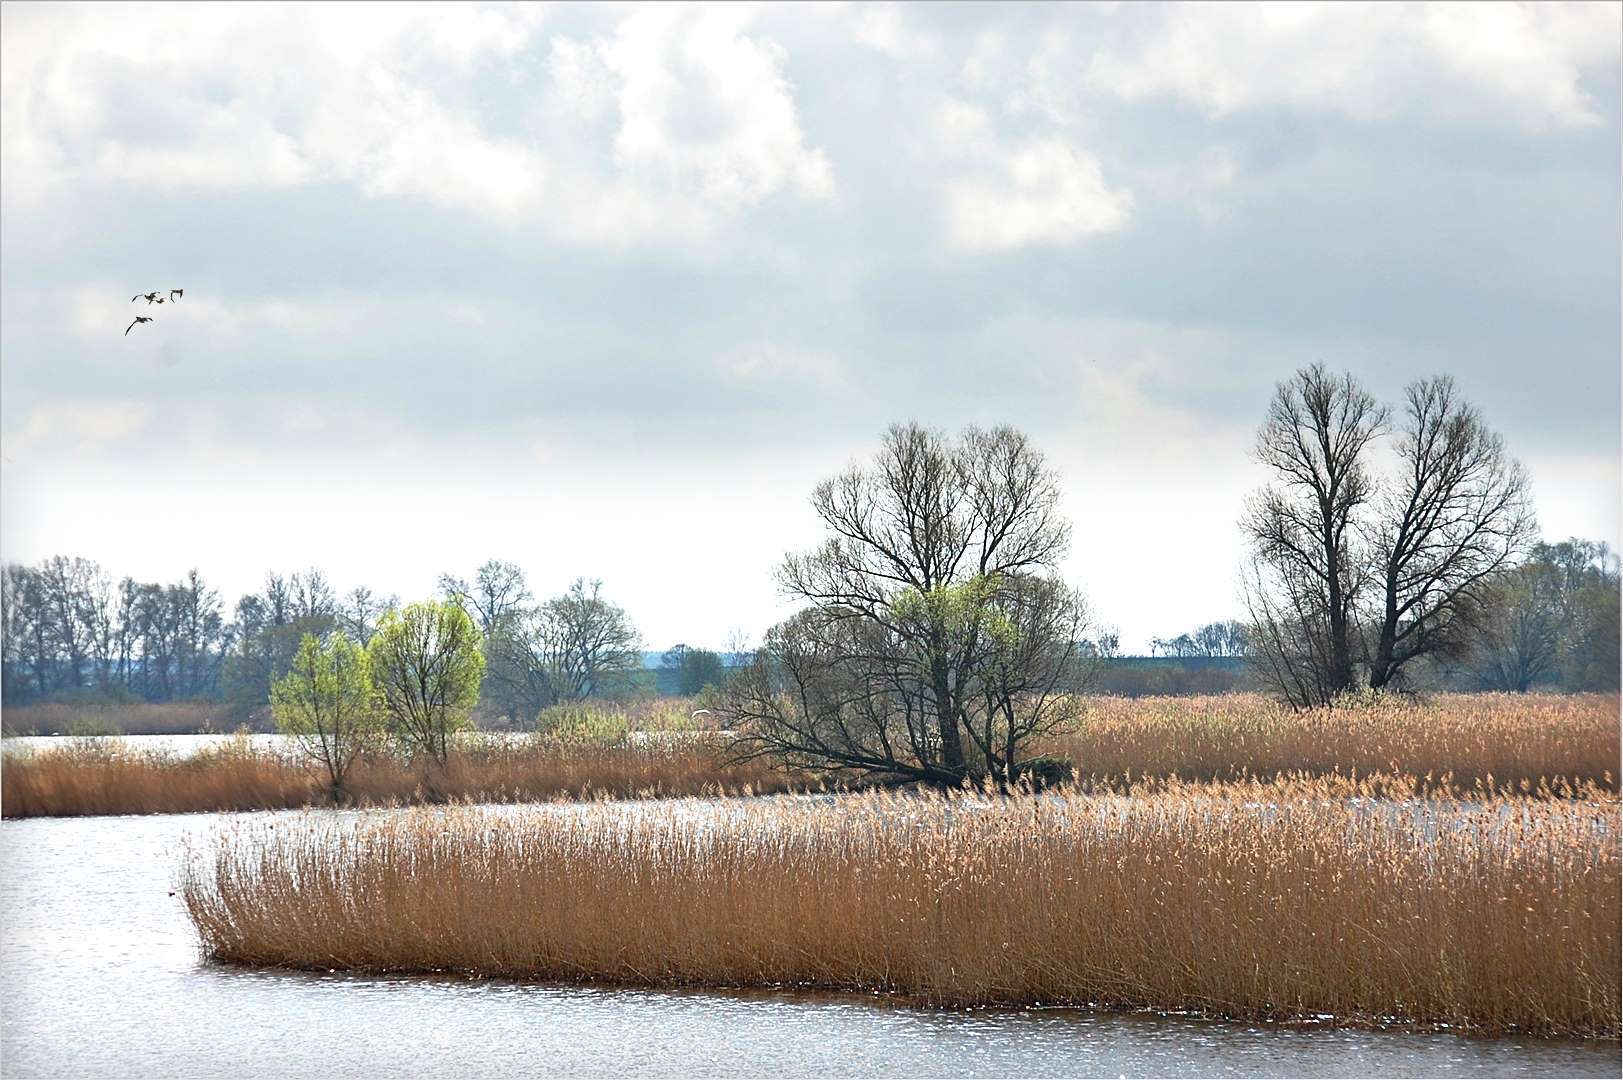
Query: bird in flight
[
  {"x": 138, "y": 319},
  {"x": 176, "y": 294},
  {"x": 149, "y": 297}
]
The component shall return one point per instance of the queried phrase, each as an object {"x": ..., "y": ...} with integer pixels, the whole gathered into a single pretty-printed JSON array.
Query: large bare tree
[
  {"x": 1356, "y": 574},
  {"x": 1308, "y": 569},
  {"x": 1456, "y": 515},
  {"x": 937, "y": 641}
]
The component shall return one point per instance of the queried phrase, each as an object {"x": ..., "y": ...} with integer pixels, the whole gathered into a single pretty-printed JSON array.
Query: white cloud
[
  {"x": 1497, "y": 63},
  {"x": 880, "y": 27},
  {"x": 1036, "y": 190},
  {"x": 77, "y": 425},
  {"x": 653, "y": 127},
  {"x": 701, "y": 107},
  {"x": 266, "y": 97}
]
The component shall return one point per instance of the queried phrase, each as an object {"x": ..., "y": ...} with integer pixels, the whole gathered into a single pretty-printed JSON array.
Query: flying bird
[
  {"x": 138, "y": 319},
  {"x": 176, "y": 294},
  {"x": 149, "y": 297}
]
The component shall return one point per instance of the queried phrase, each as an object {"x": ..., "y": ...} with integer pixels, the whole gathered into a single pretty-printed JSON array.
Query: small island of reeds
[{"x": 1326, "y": 899}]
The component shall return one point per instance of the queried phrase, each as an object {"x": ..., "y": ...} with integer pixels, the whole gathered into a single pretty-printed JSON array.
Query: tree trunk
[{"x": 952, "y": 747}]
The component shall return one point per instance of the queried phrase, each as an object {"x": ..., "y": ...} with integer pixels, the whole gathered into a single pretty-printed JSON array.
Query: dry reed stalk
[
  {"x": 1511, "y": 737},
  {"x": 1280, "y": 900},
  {"x": 1457, "y": 741},
  {"x": 108, "y": 777}
]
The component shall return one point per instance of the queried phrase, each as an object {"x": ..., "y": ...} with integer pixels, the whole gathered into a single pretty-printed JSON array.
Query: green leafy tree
[
  {"x": 327, "y": 704},
  {"x": 427, "y": 663}
]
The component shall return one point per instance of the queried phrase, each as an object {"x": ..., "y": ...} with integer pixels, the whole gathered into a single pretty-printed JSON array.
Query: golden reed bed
[
  {"x": 1284, "y": 900},
  {"x": 1458, "y": 741},
  {"x": 112, "y": 778},
  {"x": 1511, "y": 737}
]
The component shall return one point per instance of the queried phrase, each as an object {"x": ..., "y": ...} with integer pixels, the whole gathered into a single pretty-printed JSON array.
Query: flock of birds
[{"x": 151, "y": 298}]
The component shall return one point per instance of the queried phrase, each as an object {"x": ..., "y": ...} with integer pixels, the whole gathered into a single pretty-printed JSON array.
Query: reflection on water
[
  {"x": 168, "y": 745},
  {"x": 99, "y": 976}
]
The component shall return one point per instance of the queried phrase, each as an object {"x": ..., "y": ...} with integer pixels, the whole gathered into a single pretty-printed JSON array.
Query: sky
[{"x": 605, "y": 291}]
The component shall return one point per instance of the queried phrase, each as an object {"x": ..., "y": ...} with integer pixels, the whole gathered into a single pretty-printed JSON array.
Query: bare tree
[
  {"x": 1105, "y": 643},
  {"x": 1518, "y": 644},
  {"x": 360, "y": 611},
  {"x": 1551, "y": 620},
  {"x": 590, "y": 640},
  {"x": 937, "y": 641},
  {"x": 1308, "y": 570},
  {"x": 1458, "y": 514},
  {"x": 567, "y": 649},
  {"x": 496, "y": 594},
  {"x": 313, "y": 599},
  {"x": 1224, "y": 638},
  {"x": 1354, "y": 577},
  {"x": 19, "y": 654}
]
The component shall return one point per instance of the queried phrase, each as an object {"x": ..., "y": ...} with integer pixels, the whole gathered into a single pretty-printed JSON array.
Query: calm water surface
[{"x": 99, "y": 976}]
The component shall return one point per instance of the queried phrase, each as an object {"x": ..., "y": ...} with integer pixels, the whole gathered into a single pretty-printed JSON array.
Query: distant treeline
[
  {"x": 72, "y": 632},
  {"x": 1549, "y": 621}
]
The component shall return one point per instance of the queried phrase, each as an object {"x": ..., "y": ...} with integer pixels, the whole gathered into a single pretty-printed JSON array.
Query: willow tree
[
  {"x": 327, "y": 705},
  {"x": 936, "y": 641},
  {"x": 427, "y": 664}
]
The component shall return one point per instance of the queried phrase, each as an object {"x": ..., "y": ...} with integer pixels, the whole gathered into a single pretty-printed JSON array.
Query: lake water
[
  {"x": 100, "y": 976},
  {"x": 171, "y": 745}
]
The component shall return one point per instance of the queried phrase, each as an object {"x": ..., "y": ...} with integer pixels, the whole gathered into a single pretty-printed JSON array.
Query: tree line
[{"x": 68, "y": 629}]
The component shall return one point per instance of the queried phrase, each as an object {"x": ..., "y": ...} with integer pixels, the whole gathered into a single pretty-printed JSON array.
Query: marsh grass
[
  {"x": 1467, "y": 737},
  {"x": 1286, "y": 900},
  {"x": 107, "y": 776},
  {"x": 1453, "y": 743}
]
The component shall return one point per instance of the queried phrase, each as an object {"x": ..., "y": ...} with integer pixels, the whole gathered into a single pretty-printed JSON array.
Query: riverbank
[
  {"x": 1257, "y": 901},
  {"x": 1455, "y": 743}
]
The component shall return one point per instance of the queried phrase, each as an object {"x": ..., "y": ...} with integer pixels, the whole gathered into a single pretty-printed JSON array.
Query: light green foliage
[
  {"x": 593, "y": 723},
  {"x": 427, "y": 663},
  {"x": 959, "y": 612},
  {"x": 326, "y": 702}
]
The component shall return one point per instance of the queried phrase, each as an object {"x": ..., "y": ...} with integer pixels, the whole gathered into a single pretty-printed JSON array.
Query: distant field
[{"x": 1453, "y": 742}]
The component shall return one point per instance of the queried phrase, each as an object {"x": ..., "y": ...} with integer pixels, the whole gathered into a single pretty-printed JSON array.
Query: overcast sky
[{"x": 604, "y": 291}]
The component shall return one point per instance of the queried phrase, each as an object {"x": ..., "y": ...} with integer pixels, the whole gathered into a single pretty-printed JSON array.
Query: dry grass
[
  {"x": 74, "y": 718},
  {"x": 1458, "y": 741},
  {"x": 1470, "y": 737},
  {"x": 1286, "y": 900},
  {"x": 101, "y": 776}
]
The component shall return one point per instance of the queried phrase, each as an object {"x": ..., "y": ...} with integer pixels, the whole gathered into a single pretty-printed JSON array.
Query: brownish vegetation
[
  {"x": 1451, "y": 742},
  {"x": 141, "y": 718},
  {"x": 1468, "y": 737},
  {"x": 1284, "y": 900},
  {"x": 107, "y": 777}
]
